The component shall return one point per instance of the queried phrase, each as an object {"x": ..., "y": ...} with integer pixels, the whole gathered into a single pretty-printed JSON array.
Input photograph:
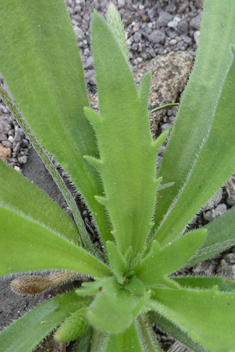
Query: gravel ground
[{"x": 152, "y": 28}]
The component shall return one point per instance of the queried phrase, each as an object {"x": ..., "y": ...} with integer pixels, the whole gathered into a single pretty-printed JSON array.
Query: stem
[
  {"x": 84, "y": 237},
  {"x": 163, "y": 107}
]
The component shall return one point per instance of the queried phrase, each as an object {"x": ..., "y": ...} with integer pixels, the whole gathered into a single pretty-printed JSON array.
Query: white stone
[{"x": 196, "y": 36}]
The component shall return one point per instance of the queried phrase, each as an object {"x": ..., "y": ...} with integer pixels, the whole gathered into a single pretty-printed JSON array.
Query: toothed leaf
[{"x": 159, "y": 263}]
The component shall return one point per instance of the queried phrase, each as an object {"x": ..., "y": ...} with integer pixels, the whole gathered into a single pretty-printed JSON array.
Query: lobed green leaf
[
  {"x": 159, "y": 263},
  {"x": 123, "y": 130}
]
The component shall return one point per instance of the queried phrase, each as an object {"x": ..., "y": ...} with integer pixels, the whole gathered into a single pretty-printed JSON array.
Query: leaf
[
  {"x": 85, "y": 239},
  {"x": 127, "y": 341},
  {"x": 27, "y": 245},
  {"x": 112, "y": 308},
  {"x": 43, "y": 210},
  {"x": 159, "y": 263},
  {"x": 214, "y": 164},
  {"x": 176, "y": 331},
  {"x": 207, "y": 316},
  {"x": 73, "y": 327},
  {"x": 123, "y": 130},
  {"x": 116, "y": 261},
  {"x": 220, "y": 236},
  {"x": 115, "y": 23},
  {"x": 40, "y": 61},
  {"x": 224, "y": 285},
  {"x": 146, "y": 334},
  {"x": 196, "y": 112},
  {"x": 84, "y": 343},
  {"x": 35, "y": 325}
]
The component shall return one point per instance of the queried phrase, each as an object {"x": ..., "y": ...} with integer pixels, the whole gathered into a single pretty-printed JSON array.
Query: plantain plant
[{"x": 111, "y": 159}]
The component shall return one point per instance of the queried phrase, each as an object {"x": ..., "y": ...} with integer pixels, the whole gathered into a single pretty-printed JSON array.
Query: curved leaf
[
  {"x": 27, "y": 245},
  {"x": 215, "y": 163},
  {"x": 35, "y": 325},
  {"x": 40, "y": 61},
  {"x": 198, "y": 104},
  {"x": 176, "y": 331},
  {"x": 38, "y": 206},
  {"x": 224, "y": 285},
  {"x": 159, "y": 263},
  {"x": 123, "y": 130},
  {"x": 127, "y": 341},
  {"x": 220, "y": 236},
  {"x": 207, "y": 316},
  {"x": 112, "y": 308}
]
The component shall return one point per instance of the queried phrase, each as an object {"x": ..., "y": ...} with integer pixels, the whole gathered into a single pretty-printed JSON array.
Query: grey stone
[
  {"x": 196, "y": 36},
  {"x": 172, "y": 24},
  {"x": 90, "y": 77},
  {"x": 7, "y": 144},
  {"x": 121, "y": 3},
  {"x": 171, "y": 8},
  {"x": 5, "y": 123},
  {"x": 164, "y": 19},
  {"x": 186, "y": 39},
  {"x": 230, "y": 258},
  {"x": 137, "y": 37},
  {"x": 215, "y": 213},
  {"x": 183, "y": 26},
  {"x": 78, "y": 33},
  {"x": 89, "y": 63},
  {"x": 196, "y": 22},
  {"x": 226, "y": 270},
  {"x": 171, "y": 33},
  {"x": 205, "y": 268},
  {"x": 3, "y": 137},
  {"x": 157, "y": 36},
  {"x": 151, "y": 13},
  {"x": 231, "y": 200},
  {"x": 23, "y": 159},
  {"x": 214, "y": 200},
  {"x": 183, "y": 7},
  {"x": 127, "y": 17},
  {"x": 199, "y": 4},
  {"x": 173, "y": 41}
]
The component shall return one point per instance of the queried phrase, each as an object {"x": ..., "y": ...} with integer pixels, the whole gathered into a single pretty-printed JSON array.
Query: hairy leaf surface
[
  {"x": 224, "y": 285},
  {"x": 46, "y": 78},
  {"x": 129, "y": 341},
  {"x": 215, "y": 163},
  {"x": 39, "y": 207},
  {"x": 112, "y": 308},
  {"x": 35, "y": 325},
  {"x": 159, "y": 263},
  {"x": 176, "y": 331},
  {"x": 220, "y": 236},
  {"x": 197, "y": 111},
  {"x": 27, "y": 245},
  {"x": 123, "y": 130},
  {"x": 207, "y": 316}
]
